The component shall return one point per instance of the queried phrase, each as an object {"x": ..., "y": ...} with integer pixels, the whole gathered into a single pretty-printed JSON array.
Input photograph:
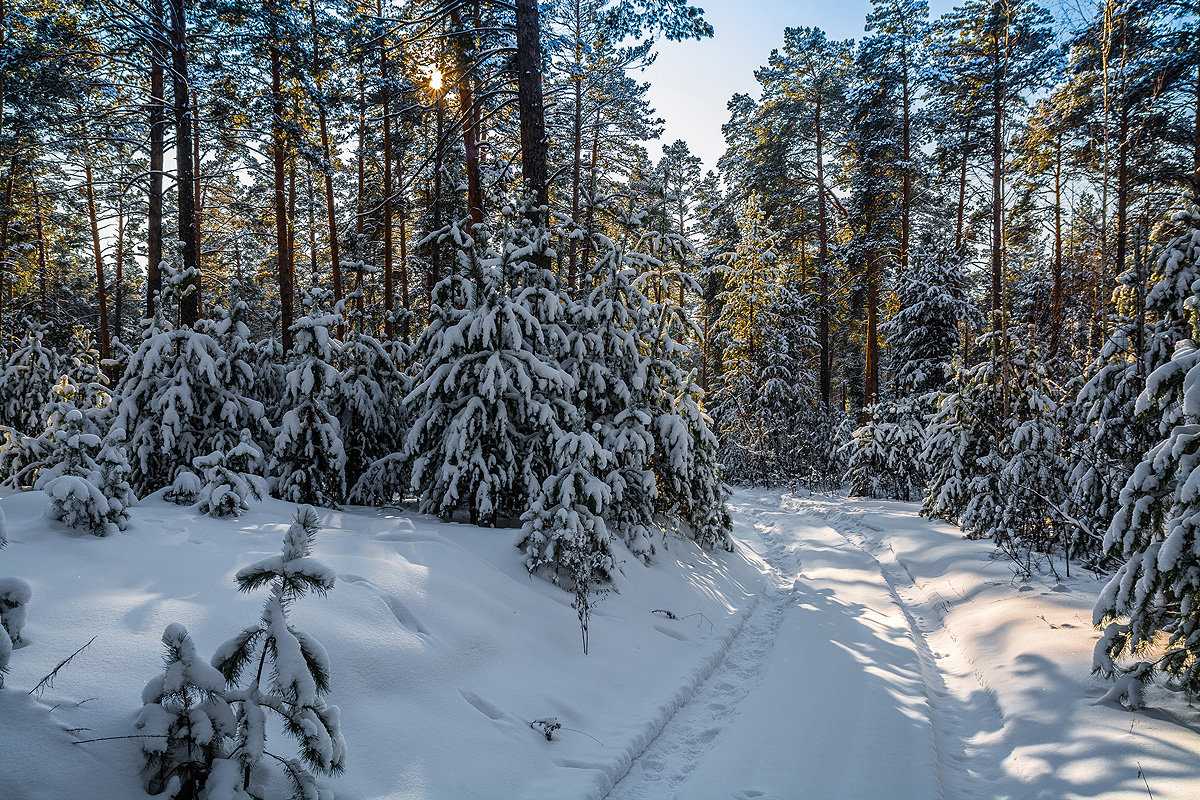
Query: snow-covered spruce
[
  {"x": 309, "y": 462},
  {"x": 14, "y": 596},
  {"x": 181, "y": 395},
  {"x": 605, "y": 358},
  {"x": 27, "y": 381},
  {"x": 272, "y": 667},
  {"x": 487, "y": 401},
  {"x": 81, "y": 365},
  {"x": 564, "y": 530},
  {"x": 231, "y": 479},
  {"x": 367, "y": 404},
  {"x": 885, "y": 454},
  {"x": 184, "y": 720},
  {"x": 1151, "y": 605}
]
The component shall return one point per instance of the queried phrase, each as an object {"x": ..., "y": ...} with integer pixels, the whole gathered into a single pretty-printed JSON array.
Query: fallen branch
[{"x": 48, "y": 681}]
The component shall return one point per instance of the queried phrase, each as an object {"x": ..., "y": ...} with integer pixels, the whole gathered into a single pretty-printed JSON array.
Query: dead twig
[{"x": 48, "y": 681}]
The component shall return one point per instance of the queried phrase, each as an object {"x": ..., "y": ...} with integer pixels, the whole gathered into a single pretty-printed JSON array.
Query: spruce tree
[
  {"x": 1151, "y": 605},
  {"x": 230, "y": 479},
  {"x": 73, "y": 483},
  {"x": 309, "y": 462},
  {"x": 885, "y": 455}
]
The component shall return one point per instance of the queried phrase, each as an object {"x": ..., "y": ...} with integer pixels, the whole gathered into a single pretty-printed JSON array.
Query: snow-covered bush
[
  {"x": 184, "y": 720},
  {"x": 73, "y": 484},
  {"x": 309, "y": 462},
  {"x": 231, "y": 479},
  {"x": 115, "y": 473},
  {"x": 185, "y": 489},
  {"x": 885, "y": 454},
  {"x": 14, "y": 596},
  {"x": 272, "y": 667}
]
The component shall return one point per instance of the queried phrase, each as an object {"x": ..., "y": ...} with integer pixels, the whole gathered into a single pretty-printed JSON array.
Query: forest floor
[{"x": 846, "y": 648}]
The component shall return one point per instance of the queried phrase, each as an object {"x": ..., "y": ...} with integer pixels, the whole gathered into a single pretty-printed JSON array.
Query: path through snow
[{"x": 830, "y": 649}]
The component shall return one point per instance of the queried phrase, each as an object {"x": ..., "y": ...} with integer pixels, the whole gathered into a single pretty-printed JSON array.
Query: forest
[{"x": 431, "y": 254}]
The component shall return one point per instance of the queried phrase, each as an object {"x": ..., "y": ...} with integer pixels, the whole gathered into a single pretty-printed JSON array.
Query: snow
[{"x": 845, "y": 648}]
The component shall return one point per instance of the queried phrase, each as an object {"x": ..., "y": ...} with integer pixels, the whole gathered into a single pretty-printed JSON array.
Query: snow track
[
  {"x": 670, "y": 757},
  {"x": 829, "y": 599},
  {"x": 967, "y": 719}
]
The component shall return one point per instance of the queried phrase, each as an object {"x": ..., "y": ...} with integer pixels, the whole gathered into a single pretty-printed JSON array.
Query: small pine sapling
[
  {"x": 14, "y": 596},
  {"x": 184, "y": 720},
  {"x": 284, "y": 671}
]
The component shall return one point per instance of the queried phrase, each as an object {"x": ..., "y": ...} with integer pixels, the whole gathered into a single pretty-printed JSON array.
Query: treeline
[{"x": 968, "y": 233}]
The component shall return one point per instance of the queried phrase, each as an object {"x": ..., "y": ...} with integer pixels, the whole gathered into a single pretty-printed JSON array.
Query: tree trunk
[
  {"x": 154, "y": 198},
  {"x": 470, "y": 120},
  {"x": 43, "y": 273},
  {"x": 335, "y": 264},
  {"x": 826, "y": 368},
  {"x": 283, "y": 255},
  {"x": 388, "y": 288},
  {"x": 906, "y": 181},
  {"x": 871, "y": 376},
  {"x": 1056, "y": 293},
  {"x": 89, "y": 191},
  {"x": 189, "y": 302},
  {"x": 998, "y": 96},
  {"x": 532, "y": 112}
]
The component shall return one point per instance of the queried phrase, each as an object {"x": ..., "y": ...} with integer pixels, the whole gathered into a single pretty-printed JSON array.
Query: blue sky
[{"x": 691, "y": 82}]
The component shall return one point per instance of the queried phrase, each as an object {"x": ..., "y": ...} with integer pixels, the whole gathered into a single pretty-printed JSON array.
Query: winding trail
[{"x": 846, "y": 668}]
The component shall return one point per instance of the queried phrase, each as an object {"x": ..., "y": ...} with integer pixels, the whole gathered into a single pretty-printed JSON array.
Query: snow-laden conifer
[
  {"x": 184, "y": 720},
  {"x": 179, "y": 394},
  {"x": 73, "y": 483},
  {"x": 231, "y": 479},
  {"x": 1151, "y": 605},
  {"x": 272, "y": 668},
  {"x": 308, "y": 462},
  {"x": 27, "y": 381},
  {"x": 885, "y": 454},
  {"x": 367, "y": 404},
  {"x": 487, "y": 403}
]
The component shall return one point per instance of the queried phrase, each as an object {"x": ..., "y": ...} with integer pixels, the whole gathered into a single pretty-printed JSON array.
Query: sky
[{"x": 691, "y": 82}]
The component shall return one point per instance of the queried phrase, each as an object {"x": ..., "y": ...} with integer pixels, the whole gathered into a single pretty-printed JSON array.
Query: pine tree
[
  {"x": 309, "y": 462},
  {"x": 272, "y": 667},
  {"x": 184, "y": 720}
]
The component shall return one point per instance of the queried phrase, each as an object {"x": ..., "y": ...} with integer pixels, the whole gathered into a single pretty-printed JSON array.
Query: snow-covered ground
[{"x": 846, "y": 648}]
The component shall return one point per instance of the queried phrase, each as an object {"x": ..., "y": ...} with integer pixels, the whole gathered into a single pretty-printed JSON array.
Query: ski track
[
  {"x": 967, "y": 719},
  {"x": 670, "y": 757}
]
